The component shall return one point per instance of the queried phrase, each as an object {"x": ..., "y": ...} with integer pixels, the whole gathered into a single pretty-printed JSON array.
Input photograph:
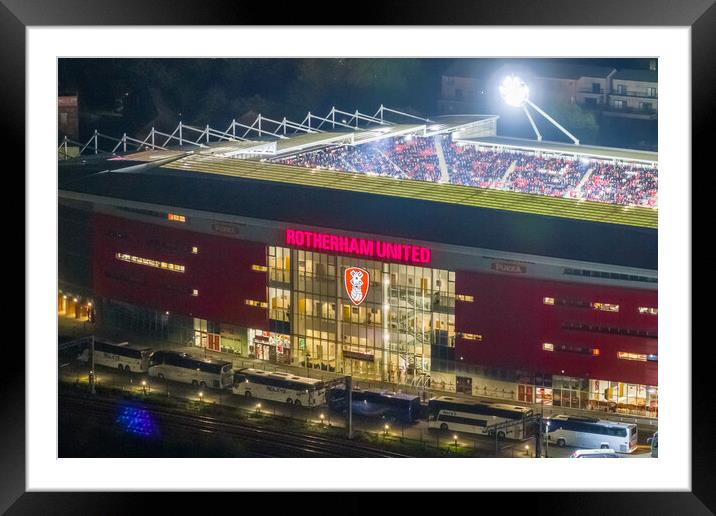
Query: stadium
[{"x": 424, "y": 252}]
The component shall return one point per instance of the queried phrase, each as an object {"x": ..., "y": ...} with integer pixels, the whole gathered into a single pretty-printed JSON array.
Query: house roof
[{"x": 637, "y": 75}]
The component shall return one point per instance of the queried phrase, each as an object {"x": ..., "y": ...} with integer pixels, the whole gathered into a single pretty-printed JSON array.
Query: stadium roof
[
  {"x": 591, "y": 151},
  {"x": 271, "y": 137},
  {"x": 453, "y": 214}
]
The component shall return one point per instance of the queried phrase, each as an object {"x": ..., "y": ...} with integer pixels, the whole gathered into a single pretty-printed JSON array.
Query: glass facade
[{"x": 403, "y": 329}]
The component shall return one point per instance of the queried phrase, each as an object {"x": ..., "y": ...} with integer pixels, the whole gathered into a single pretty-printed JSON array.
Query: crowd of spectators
[
  {"x": 469, "y": 165},
  {"x": 402, "y": 157},
  {"x": 557, "y": 177},
  {"x": 622, "y": 184},
  {"x": 415, "y": 157}
]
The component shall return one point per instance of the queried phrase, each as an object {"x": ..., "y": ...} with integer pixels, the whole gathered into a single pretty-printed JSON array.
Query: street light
[
  {"x": 546, "y": 442},
  {"x": 527, "y": 449},
  {"x": 455, "y": 439},
  {"x": 144, "y": 386},
  {"x": 385, "y": 430},
  {"x": 258, "y": 408},
  {"x": 322, "y": 417},
  {"x": 201, "y": 396}
]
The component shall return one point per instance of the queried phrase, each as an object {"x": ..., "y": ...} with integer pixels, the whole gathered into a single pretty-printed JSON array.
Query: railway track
[{"x": 263, "y": 441}]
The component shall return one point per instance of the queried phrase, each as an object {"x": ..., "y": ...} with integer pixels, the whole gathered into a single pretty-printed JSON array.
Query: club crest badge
[{"x": 356, "y": 281}]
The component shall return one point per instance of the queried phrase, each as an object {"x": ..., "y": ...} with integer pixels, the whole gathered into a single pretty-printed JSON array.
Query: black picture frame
[{"x": 17, "y": 15}]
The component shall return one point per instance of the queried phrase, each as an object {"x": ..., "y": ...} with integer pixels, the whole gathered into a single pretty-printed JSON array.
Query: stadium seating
[{"x": 415, "y": 157}]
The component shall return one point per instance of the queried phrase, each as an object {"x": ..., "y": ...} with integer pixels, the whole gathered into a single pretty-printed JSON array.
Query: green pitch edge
[{"x": 423, "y": 190}]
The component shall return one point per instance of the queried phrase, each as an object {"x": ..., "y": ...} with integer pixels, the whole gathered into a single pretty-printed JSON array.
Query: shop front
[{"x": 269, "y": 346}]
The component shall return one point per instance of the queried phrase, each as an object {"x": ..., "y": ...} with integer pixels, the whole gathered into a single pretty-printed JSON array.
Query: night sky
[{"x": 131, "y": 95}]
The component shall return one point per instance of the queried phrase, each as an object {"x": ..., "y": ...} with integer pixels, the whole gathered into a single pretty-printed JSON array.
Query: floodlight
[{"x": 514, "y": 91}]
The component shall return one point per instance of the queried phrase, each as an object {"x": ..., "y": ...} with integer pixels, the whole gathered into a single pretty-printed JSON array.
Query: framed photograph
[{"x": 443, "y": 243}]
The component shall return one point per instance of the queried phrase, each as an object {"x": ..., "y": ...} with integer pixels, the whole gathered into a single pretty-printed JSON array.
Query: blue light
[{"x": 137, "y": 421}]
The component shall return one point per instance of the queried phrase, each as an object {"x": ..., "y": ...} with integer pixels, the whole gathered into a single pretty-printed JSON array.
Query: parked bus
[
  {"x": 653, "y": 442},
  {"x": 182, "y": 367},
  {"x": 391, "y": 405},
  {"x": 278, "y": 386},
  {"x": 119, "y": 355},
  {"x": 448, "y": 413},
  {"x": 587, "y": 432}
]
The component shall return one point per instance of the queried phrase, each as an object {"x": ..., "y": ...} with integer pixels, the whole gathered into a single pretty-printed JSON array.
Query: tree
[{"x": 578, "y": 121}]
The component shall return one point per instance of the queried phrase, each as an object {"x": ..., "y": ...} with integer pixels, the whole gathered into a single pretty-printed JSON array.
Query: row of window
[
  {"x": 622, "y": 355},
  {"x": 257, "y": 304},
  {"x": 470, "y": 336},
  {"x": 609, "y": 275},
  {"x": 629, "y": 332},
  {"x": 603, "y": 307},
  {"x": 153, "y": 242},
  {"x": 176, "y": 217},
  {"x": 150, "y": 263},
  {"x": 548, "y": 346},
  {"x": 465, "y": 298},
  {"x": 160, "y": 244},
  {"x": 639, "y": 357},
  {"x": 182, "y": 289}
]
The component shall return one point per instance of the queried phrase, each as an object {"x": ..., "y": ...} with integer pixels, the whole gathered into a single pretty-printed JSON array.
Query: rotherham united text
[{"x": 358, "y": 246}]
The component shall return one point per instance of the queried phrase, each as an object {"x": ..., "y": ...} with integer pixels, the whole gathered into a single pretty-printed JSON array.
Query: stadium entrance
[{"x": 384, "y": 322}]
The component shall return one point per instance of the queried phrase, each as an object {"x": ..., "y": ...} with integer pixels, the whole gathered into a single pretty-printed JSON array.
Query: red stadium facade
[
  {"x": 474, "y": 321},
  {"x": 211, "y": 264}
]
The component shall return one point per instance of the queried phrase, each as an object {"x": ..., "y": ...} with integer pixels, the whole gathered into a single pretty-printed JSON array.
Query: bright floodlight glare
[{"x": 514, "y": 91}]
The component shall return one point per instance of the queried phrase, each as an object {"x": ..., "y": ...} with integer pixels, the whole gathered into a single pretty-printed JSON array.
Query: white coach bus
[
  {"x": 119, "y": 355},
  {"x": 277, "y": 386},
  {"x": 477, "y": 417},
  {"x": 182, "y": 367},
  {"x": 587, "y": 432}
]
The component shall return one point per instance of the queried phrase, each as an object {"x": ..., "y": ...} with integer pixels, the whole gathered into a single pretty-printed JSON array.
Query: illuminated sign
[
  {"x": 358, "y": 246},
  {"x": 356, "y": 281}
]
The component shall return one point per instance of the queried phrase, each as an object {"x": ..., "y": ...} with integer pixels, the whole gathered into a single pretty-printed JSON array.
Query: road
[
  {"x": 72, "y": 327},
  {"x": 72, "y": 371}
]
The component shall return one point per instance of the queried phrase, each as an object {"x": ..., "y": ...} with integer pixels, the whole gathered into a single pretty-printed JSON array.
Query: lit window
[
  {"x": 175, "y": 217},
  {"x": 624, "y": 355},
  {"x": 595, "y": 352},
  {"x": 648, "y": 310},
  {"x": 548, "y": 300},
  {"x": 259, "y": 268},
  {"x": 149, "y": 263},
  {"x": 605, "y": 307},
  {"x": 548, "y": 347},
  {"x": 257, "y": 304},
  {"x": 471, "y": 336},
  {"x": 194, "y": 250},
  {"x": 465, "y": 298},
  {"x": 194, "y": 292}
]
